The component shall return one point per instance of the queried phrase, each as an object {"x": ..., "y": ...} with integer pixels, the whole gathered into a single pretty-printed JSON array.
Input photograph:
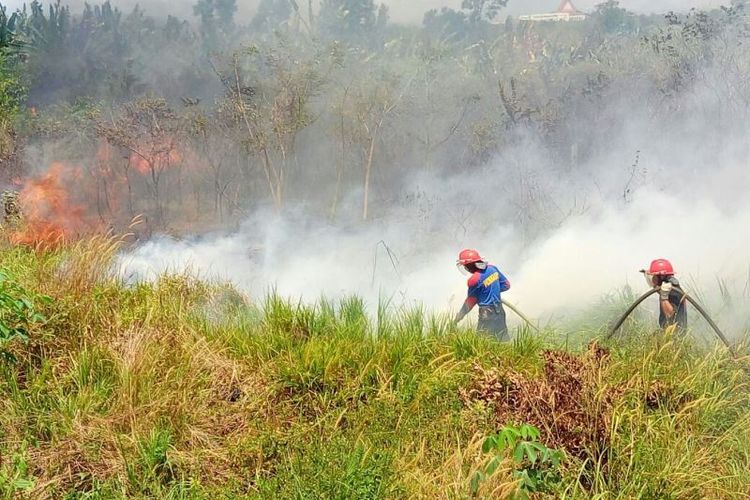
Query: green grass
[{"x": 184, "y": 389}]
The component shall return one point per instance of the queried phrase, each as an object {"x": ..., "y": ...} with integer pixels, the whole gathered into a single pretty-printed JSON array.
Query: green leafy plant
[
  {"x": 535, "y": 465},
  {"x": 17, "y": 312},
  {"x": 15, "y": 477}
]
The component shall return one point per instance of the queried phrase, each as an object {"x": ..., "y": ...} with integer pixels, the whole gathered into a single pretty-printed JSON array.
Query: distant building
[{"x": 565, "y": 12}]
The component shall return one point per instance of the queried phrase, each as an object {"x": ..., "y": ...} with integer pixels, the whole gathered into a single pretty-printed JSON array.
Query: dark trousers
[{"x": 492, "y": 322}]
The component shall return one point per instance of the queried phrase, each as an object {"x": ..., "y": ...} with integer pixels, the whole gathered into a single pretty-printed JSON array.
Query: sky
[{"x": 412, "y": 11}]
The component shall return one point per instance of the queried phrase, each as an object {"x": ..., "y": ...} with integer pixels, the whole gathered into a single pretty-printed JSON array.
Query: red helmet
[
  {"x": 469, "y": 256},
  {"x": 661, "y": 267}
]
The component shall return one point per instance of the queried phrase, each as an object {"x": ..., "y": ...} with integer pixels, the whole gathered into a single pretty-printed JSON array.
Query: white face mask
[
  {"x": 649, "y": 279},
  {"x": 462, "y": 268}
]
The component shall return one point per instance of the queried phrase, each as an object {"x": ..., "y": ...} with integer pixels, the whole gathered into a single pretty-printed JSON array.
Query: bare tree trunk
[
  {"x": 388, "y": 107},
  {"x": 217, "y": 200},
  {"x": 342, "y": 162},
  {"x": 99, "y": 186},
  {"x": 155, "y": 178},
  {"x": 131, "y": 212},
  {"x": 339, "y": 176},
  {"x": 272, "y": 175},
  {"x": 198, "y": 201},
  {"x": 368, "y": 171},
  {"x": 282, "y": 170},
  {"x": 180, "y": 198}
]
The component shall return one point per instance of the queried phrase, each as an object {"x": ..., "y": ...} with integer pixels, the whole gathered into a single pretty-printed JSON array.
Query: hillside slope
[{"x": 183, "y": 389}]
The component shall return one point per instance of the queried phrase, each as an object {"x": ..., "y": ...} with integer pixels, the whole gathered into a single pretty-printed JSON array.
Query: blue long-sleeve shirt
[{"x": 485, "y": 287}]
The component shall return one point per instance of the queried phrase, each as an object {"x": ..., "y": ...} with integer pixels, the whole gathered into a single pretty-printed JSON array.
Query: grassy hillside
[{"x": 183, "y": 389}]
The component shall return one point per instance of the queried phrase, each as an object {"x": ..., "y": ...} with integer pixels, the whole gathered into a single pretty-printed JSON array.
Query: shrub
[
  {"x": 17, "y": 313},
  {"x": 535, "y": 466}
]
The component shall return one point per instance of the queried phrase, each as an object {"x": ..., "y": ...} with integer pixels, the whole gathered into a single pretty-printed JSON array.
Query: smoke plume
[{"x": 662, "y": 190}]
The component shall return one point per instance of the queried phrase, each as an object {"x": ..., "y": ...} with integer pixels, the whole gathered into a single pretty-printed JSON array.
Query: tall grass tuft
[{"x": 181, "y": 388}]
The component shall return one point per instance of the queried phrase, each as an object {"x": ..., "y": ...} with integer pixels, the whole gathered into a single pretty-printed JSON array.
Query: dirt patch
[{"x": 570, "y": 403}]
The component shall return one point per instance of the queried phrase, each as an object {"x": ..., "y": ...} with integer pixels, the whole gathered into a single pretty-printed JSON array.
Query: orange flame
[
  {"x": 67, "y": 202},
  {"x": 159, "y": 159},
  {"x": 49, "y": 214}
]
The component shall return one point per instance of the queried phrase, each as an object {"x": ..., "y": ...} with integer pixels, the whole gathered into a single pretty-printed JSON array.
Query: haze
[{"x": 412, "y": 11}]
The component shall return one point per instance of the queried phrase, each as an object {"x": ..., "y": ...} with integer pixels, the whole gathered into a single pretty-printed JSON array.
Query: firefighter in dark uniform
[
  {"x": 672, "y": 307},
  {"x": 486, "y": 283}
]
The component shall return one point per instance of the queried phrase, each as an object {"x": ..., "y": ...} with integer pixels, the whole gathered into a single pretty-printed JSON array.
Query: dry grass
[
  {"x": 451, "y": 478},
  {"x": 182, "y": 388}
]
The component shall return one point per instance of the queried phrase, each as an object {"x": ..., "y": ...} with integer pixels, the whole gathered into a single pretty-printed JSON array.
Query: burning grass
[
  {"x": 50, "y": 213},
  {"x": 186, "y": 389},
  {"x": 67, "y": 203}
]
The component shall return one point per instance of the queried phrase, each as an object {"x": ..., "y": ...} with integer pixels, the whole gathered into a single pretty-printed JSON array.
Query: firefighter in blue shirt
[{"x": 486, "y": 283}]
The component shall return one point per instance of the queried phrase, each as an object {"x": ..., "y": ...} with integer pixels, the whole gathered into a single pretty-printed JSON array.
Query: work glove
[{"x": 664, "y": 290}]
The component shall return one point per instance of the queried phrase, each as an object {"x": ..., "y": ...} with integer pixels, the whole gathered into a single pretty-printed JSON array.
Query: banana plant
[{"x": 7, "y": 29}]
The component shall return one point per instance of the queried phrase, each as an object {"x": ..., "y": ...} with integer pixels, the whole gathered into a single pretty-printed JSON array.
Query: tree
[
  {"x": 437, "y": 110},
  {"x": 75, "y": 56},
  {"x": 447, "y": 24},
  {"x": 453, "y": 25},
  {"x": 482, "y": 10},
  {"x": 216, "y": 19},
  {"x": 354, "y": 20},
  {"x": 370, "y": 107},
  {"x": 269, "y": 94},
  {"x": 381, "y": 22},
  {"x": 225, "y": 11},
  {"x": 271, "y": 14},
  {"x": 149, "y": 131},
  {"x": 211, "y": 137},
  {"x": 615, "y": 19},
  {"x": 8, "y": 31},
  {"x": 12, "y": 90}
]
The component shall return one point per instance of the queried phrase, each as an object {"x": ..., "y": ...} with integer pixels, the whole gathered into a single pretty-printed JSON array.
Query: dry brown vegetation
[
  {"x": 185, "y": 388},
  {"x": 572, "y": 403}
]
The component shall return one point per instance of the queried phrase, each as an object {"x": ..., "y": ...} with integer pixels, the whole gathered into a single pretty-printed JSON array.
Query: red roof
[{"x": 567, "y": 7}]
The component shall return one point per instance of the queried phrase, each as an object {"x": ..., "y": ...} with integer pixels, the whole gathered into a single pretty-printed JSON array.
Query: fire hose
[
  {"x": 519, "y": 314},
  {"x": 686, "y": 297}
]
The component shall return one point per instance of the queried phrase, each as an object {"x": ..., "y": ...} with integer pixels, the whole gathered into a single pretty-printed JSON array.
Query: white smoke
[
  {"x": 410, "y": 261},
  {"x": 401, "y": 11},
  {"x": 668, "y": 184}
]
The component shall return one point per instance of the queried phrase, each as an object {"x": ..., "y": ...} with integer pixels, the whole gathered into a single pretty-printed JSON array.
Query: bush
[
  {"x": 536, "y": 467},
  {"x": 17, "y": 312}
]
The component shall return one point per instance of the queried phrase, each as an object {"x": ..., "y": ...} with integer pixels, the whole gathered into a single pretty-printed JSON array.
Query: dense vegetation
[
  {"x": 338, "y": 110},
  {"x": 182, "y": 389}
]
